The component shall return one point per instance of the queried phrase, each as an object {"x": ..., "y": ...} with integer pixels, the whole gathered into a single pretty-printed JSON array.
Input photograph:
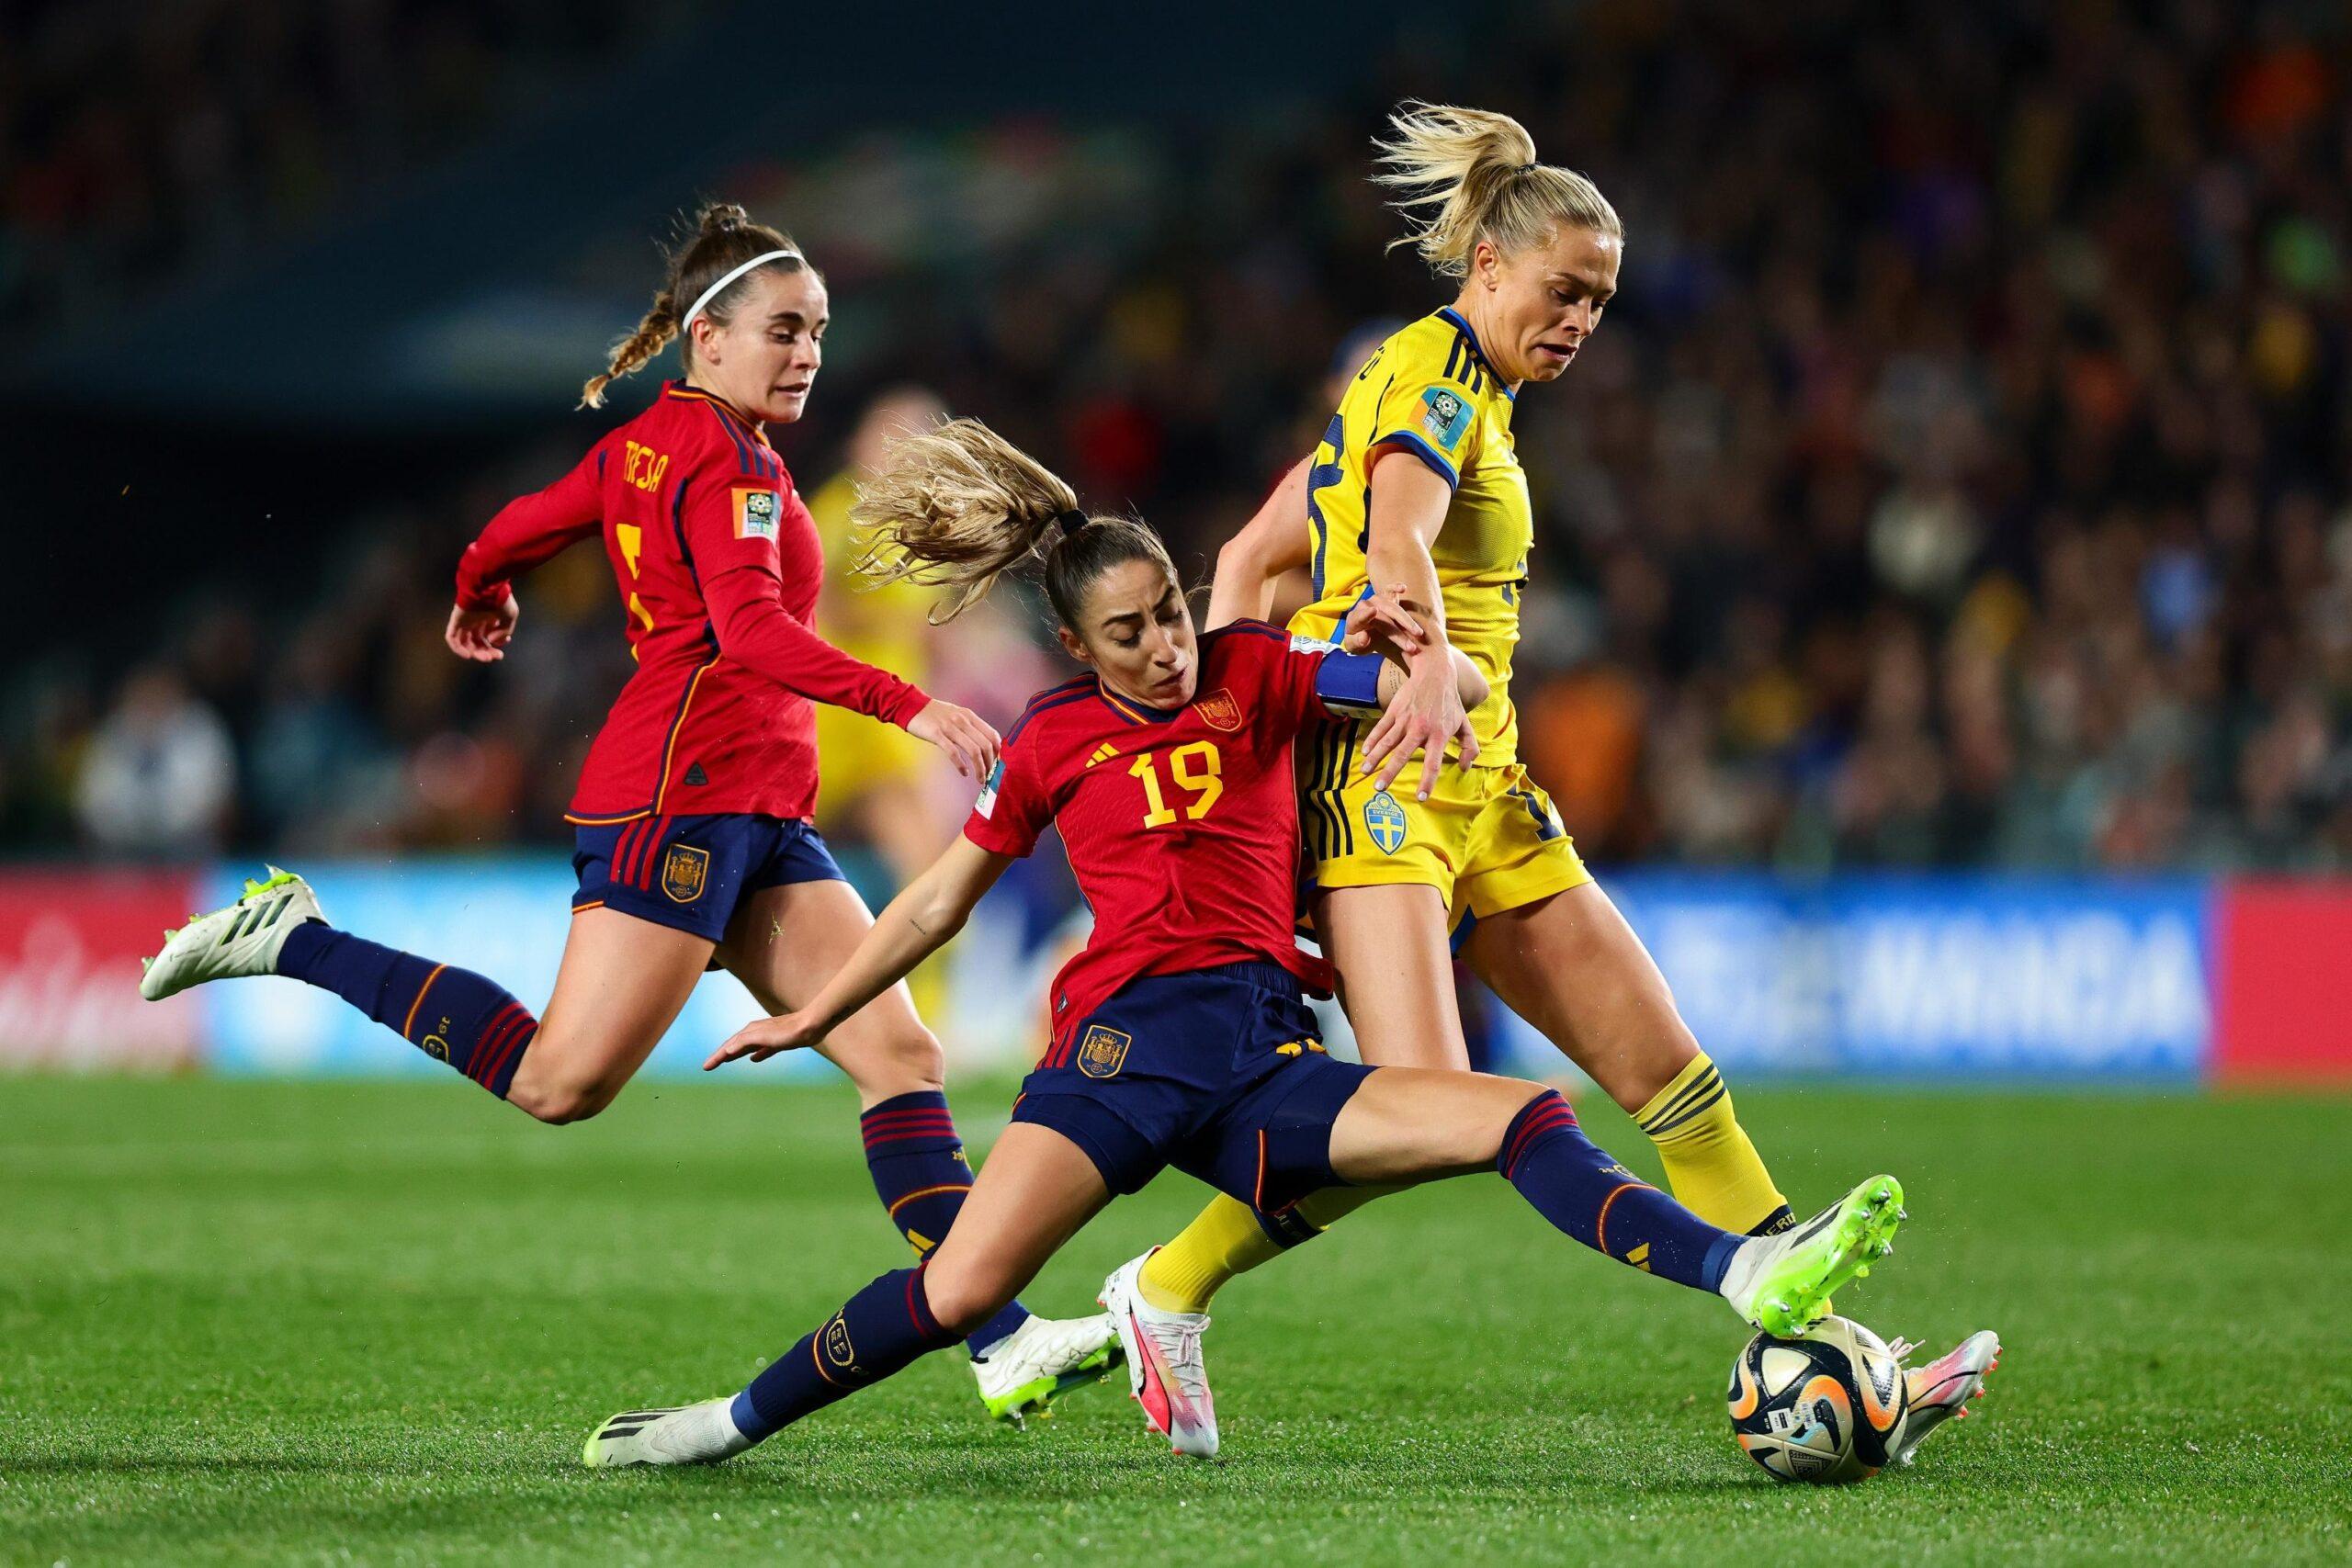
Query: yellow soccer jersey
[{"x": 1428, "y": 391}]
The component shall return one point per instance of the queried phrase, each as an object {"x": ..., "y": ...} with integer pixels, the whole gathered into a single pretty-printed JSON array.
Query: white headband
[{"x": 713, "y": 291}]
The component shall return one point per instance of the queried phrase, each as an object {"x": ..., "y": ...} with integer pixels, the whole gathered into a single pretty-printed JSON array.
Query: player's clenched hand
[
  {"x": 765, "y": 1037},
  {"x": 1425, "y": 714},
  {"x": 964, "y": 735},
  {"x": 482, "y": 635}
]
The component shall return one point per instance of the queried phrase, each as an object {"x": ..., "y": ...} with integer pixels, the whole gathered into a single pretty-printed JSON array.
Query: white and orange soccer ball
[{"x": 1825, "y": 1407}]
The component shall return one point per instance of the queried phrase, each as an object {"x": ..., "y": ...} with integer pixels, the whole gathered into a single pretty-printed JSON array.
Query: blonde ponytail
[
  {"x": 959, "y": 506},
  {"x": 1472, "y": 175},
  {"x": 956, "y": 508}
]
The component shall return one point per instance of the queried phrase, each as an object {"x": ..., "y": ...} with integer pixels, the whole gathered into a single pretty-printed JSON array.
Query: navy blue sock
[
  {"x": 1580, "y": 1188},
  {"x": 920, "y": 1171},
  {"x": 452, "y": 1015},
  {"x": 882, "y": 1329}
]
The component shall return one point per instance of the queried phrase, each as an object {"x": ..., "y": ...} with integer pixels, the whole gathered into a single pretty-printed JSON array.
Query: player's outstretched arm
[
  {"x": 918, "y": 923},
  {"x": 528, "y": 531},
  {"x": 1409, "y": 501},
  {"x": 1269, "y": 544}
]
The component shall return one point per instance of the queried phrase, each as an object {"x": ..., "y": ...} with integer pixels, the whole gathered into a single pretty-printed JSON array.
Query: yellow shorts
[{"x": 1486, "y": 838}]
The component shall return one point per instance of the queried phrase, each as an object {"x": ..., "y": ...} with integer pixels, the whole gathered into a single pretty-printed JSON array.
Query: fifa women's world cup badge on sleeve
[
  {"x": 1445, "y": 416},
  {"x": 756, "y": 512}
]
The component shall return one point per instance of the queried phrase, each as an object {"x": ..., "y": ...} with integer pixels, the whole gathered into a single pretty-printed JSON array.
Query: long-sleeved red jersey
[{"x": 718, "y": 567}]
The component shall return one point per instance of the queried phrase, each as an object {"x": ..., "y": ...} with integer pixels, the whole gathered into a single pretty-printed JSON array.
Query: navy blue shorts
[
  {"x": 1218, "y": 1072},
  {"x": 689, "y": 872}
]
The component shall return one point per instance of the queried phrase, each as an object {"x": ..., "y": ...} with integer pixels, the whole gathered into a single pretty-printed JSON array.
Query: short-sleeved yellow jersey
[{"x": 1428, "y": 391}]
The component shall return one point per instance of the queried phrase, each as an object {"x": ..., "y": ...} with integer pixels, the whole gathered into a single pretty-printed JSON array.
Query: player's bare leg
[
  {"x": 1015, "y": 1220},
  {"x": 1572, "y": 967},
  {"x": 1038, "y": 1190},
  {"x": 620, "y": 986},
  {"x": 1396, "y": 984},
  {"x": 784, "y": 945},
  {"x": 1396, "y": 975},
  {"x": 622, "y": 983}
]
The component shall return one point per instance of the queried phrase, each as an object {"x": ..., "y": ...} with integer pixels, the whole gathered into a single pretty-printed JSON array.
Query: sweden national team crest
[
  {"x": 1102, "y": 1052},
  {"x": 1385, "y": 820},
  {"x": 685, "y": 870},
  {"x": 755, "y": 513},
  {"x": 1219, "y": 711}
]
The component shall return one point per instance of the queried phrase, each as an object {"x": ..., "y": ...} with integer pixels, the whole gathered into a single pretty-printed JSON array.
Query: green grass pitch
[{"x": 373, "y": 1322}]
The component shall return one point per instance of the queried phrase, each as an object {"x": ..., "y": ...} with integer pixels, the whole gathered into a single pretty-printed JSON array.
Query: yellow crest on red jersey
[{"x": 1219, "y": 711}]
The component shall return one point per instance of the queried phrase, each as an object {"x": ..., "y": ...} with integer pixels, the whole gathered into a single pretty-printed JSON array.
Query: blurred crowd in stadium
[
  {"x": 147, "y": 139},
  {"x": 1961, "y": 477}
]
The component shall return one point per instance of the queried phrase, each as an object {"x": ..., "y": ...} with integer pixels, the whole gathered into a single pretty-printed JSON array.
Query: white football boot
[
  {"x": 698, "y": 1434},
  {"x": 240, "y": 940},
  {"x": 1164, "y": 1370},
  {"x": 1023, "y": 1373},
  {"x": 1941, "y": 1390}
]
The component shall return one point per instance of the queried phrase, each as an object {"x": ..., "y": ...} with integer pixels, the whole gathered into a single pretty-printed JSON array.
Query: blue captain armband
[{"x": 1345, "y": 679}]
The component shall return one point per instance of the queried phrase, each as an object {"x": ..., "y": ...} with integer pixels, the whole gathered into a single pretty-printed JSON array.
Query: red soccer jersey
[
  {"x": 1182, "y": 825},
  {"x": 718, "y": 567}
]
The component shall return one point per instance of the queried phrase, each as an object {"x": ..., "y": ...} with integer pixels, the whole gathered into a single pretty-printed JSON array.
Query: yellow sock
[
  {"x": 1227, "y": 1238},
  {"x": 1223, "y": 1240},
  {"x": 1714, "y": 1169}
]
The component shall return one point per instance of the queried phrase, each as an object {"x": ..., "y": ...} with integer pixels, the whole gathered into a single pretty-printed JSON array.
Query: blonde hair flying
[
  {"x": 1470, "y": 174},
  {"x": 957, "y": 506}
]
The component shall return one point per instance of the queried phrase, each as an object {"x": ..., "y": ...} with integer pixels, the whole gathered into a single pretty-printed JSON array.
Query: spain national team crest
[
  {"x": 839, "y": 1351},
  {"x": 685, "y": 870},
  {"x": 1219, "y": 711},
  {"x": 1102, "y": 1052},
  {"x": 1385, "y": 820},
  {"x": 755, "y": 513}
]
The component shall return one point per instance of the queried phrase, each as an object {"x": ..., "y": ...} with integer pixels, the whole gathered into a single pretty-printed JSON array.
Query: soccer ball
[{"x": 1826, "y": 1407}]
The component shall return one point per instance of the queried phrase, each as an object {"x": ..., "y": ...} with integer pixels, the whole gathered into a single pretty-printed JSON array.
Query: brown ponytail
[
  {"x": 958, "y": 506},
  {"x": 724, "y": 239}
]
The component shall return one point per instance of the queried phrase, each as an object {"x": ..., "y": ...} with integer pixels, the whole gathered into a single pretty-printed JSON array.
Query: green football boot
[
  {"x": 1023, "y": 1373},
  {"x": 1783, "y": 1283}
]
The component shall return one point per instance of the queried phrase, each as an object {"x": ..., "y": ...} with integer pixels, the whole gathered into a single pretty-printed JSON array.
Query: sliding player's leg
[
  {"x": 1569, "y": 964},
  {"x": 785, "y": 940},
  {"x": 620, "y": 986},
  {"x": 1405, "y": 1125},
  {"x": 1038, "y": 1189},
  {"x": 1396, "y": 984}
]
